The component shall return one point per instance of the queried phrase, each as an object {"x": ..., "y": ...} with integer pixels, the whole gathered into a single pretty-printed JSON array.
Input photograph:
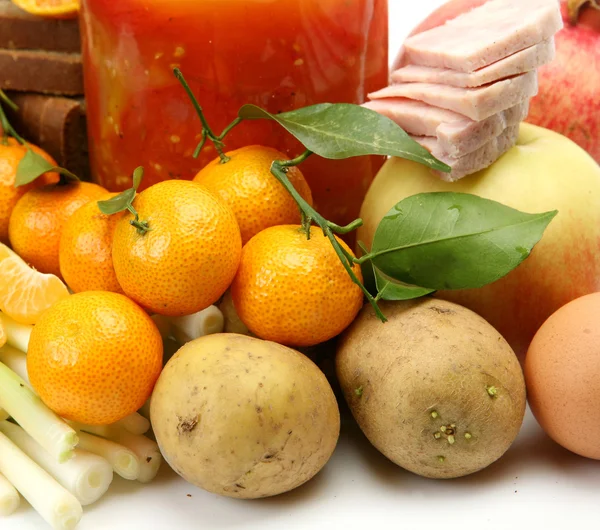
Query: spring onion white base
[
  {"x": 124, "y": 461},
  {"x": 16, "y": 360},
  {"x": 145, "y": 449},
  {"x": 28, "y": 410},
  {"x": 9, "y": 497},
  {"x": 205, "y": 322},
  {"x": 86, "y": 475},
  {"x": 134, "y": 423},
  {"x": 59, "y": 508},
  {"x": 17, "y": 335}
]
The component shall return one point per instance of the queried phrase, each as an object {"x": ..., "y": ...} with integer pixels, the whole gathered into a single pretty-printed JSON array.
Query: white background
[{"x": 535, "y": 485}]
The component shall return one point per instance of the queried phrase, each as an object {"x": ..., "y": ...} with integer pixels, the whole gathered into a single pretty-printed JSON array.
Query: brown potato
[
  {"x": 436, "y": 389},
  {"x": 243, "y": 417}
]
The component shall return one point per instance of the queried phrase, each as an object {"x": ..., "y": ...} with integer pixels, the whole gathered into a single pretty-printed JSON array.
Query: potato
[
  {"x": 243, "y": 417},
  {"x": 436, "y": 389}
]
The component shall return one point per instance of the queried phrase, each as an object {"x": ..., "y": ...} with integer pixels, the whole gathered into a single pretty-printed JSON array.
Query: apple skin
[
  {"x": 544, "y": 171},
  {"x": 568, "y": 100}
]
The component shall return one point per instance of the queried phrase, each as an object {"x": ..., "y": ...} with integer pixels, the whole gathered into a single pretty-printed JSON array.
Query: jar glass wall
[{"x": 279, "y": 54}]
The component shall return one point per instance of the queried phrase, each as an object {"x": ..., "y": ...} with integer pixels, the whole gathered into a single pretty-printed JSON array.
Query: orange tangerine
[
  {"x": 94, "y": 357},
  {"x": 187, "y": 257},
  {"x": 38, "y": 218},
  {"x": 294, "y": 290},
  {"x": 85, "y": 249},
  {"x": 247, "y": 185}
]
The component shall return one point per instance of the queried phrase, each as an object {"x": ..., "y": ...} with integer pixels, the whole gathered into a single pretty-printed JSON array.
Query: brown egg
[{"x": 562, "y": 373}]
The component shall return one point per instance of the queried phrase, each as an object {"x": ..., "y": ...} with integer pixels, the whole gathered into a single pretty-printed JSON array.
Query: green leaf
[
  {"x": 389, "y": 289},
  {"x": 454, "y": 240},
  {"x": 384, "y": 287},
  {"x": 138, "y": 175},
  {"x": 124, "y": 200},
  {"x": 117, "y": 204},
  {"x": 33, "y": 165},
  {"x": 343, "y": 130}
]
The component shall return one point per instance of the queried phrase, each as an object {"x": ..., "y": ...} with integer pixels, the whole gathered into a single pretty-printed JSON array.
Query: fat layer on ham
[
  {"x": 456, "y": 135},
  {"x": 485, "y": 35},
  {"x": 475, "y": 161},
  {"x": 475, "y": 103},
  {"x": 518, "y": 63}
]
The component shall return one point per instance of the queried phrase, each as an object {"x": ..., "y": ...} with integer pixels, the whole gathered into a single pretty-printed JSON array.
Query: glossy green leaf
[
  {"x": 138, "y": 175},
  {"x": 454, "y": 240},
  {"x": 124, "y": 200},
  {"x": 343, "y": 130},
  {"x": 33, "y": 165},
  {"x": 118, "y": 203},
  {"x": 389, "y": 289},
  {"x": 384, "y": 287}
]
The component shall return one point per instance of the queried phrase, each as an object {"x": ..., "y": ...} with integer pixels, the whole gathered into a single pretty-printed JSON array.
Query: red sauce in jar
[{"x": 279, "y": 54}]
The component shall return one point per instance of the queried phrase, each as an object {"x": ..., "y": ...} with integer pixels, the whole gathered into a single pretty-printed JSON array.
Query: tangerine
[
  {"x": 11, "y": 154},
  {"x": 294, "y": 290},
  {"x": 247, "y": 185},
  {"x": 186, "y": 256},
  {"x": 85, "y": 250},
  {"x": 38, "y": 218},
  {"x": 94, "y": 357}
]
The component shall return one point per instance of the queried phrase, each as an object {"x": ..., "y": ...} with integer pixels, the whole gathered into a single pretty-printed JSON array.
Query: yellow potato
[
  {"x": 436, "y": 389},
  {"x": 243, "y": 417}
]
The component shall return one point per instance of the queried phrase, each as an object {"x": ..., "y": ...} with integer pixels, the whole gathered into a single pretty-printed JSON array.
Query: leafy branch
[
  {"x": 124, "y": 202},
  {"x": 426, "y": 242},
  {"x": 310, "y": 215}
]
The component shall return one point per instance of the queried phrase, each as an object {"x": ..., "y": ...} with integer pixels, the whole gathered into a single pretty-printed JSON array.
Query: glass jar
[{"x": 278, "y": 54}]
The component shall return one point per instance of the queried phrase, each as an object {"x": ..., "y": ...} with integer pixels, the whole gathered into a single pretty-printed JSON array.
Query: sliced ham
[
  {"x": 475, "y": 103},
  {"x": 518, "y": 63},
  {"x": 459, "y": 138},
  {"x": 456, "y": 134},
  {"x": 485, "y": 35},
  {"x": 475, "y": 161},
  {"x": 415, "y": 117}
]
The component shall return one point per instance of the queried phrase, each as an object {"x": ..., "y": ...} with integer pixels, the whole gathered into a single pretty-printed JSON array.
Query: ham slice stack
[{"x": 465, "y": 86}]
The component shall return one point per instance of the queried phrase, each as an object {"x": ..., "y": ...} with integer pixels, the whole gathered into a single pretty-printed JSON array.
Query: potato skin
[
  {"x": 243, "y": 417},
  {"x": 434, "y": 366}
]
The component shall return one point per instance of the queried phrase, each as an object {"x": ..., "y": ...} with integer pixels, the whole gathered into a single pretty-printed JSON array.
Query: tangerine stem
[
  {"x": 207, "y": 132},
  {"x": 141, "y": 226},
  {"x": 278, "y": 169}
]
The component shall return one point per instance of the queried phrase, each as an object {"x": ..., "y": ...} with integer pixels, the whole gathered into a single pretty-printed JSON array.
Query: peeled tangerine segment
[
  {"x": 50, "y": 8},
  {"x": 24, "y": 292}
]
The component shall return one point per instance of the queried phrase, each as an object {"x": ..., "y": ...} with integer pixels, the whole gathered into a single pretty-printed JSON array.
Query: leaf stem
[
  {"x": 309, "y": 214},
  {"x": 7, "y": 128},
  {"x": 8, "y": 101},
  {"x": 227, "y": 129},
  {"x": 295, "y": 161},
  {"x": 207, "y": 133}
]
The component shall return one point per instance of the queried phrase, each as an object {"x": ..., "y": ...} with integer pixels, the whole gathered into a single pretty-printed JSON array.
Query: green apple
[{"x": 544, "y": 171}]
